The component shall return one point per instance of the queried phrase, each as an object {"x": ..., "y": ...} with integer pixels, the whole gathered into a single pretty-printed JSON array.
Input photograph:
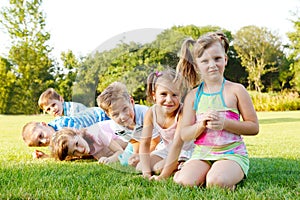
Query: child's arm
[
  {"x": 249, "y": 125},
  {"x": 145, "y": 144},
  {"x": 115, "y": 147},
  {"x": 189, "y": 128},
  {"x": 154, "y": 142}
]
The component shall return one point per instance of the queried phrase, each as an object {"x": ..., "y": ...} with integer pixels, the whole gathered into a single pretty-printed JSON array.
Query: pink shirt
[{"x": 101, "y": 134}]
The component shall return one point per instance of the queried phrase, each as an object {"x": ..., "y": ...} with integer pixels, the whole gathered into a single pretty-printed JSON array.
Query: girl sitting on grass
[
  {"x": 95, "y": 140},
  {"x": 165, "y": 89}
]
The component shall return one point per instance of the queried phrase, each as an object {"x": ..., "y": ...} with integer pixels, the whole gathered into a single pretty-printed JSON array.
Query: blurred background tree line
[{"x": 258, "y": 59}]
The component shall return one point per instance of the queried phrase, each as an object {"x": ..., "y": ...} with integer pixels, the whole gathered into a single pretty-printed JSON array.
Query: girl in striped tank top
[{"x": 211, "y": 117}]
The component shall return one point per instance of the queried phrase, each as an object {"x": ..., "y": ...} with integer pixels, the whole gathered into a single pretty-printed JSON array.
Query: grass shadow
[
  {"x": 278, "y": 120},
  {"x": 273, "y": 172}
]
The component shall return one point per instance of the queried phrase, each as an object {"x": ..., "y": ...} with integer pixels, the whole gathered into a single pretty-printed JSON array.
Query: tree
[
  {"x": 66, "y": 75},
  {"x": 132, "y": 63},
  {"x": 259, "y": 51},
  {"x": 25, "y": 24},
  {"x": 295, "y": 53},
  {"x": 7, "y": 81}
]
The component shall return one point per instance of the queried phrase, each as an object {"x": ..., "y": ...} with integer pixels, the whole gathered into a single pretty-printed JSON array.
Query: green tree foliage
[
  {"x": 7, "y": 80},
  {"x": 295, "y": 55},
  {"x": 28, "y": 55},
  {"x": 131, "y": 63},
  {"x": 66, "y": 75},
  {"x": 260, "y": 52}
]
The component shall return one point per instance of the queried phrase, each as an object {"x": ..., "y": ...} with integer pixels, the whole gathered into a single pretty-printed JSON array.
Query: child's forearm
[
  {"x": 114, "y": 157},
  {"x": 145, "y": 157},
  {"x": 189, "y": 133},
  {"x": 110, "y": 159},
  {"x": 168, "y": 170},
  {"x": 145, "y": 165}
]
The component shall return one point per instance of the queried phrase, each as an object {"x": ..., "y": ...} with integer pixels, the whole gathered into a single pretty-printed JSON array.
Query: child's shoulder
[{"x": 234, "y": 86}]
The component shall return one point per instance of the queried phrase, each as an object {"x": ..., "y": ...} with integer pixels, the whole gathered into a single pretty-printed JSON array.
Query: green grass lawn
[{"x": 274, "y": 169}]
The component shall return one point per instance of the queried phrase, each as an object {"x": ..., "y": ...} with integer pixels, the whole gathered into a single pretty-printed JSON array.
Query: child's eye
[
  {"x": 204, "y": 61},
  {"x": 41, "y": 135},
  {"x": 114, "y": 115}
]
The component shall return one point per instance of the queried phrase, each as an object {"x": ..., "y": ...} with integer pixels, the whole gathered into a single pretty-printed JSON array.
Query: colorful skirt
[{"x": 236, "y": 152}]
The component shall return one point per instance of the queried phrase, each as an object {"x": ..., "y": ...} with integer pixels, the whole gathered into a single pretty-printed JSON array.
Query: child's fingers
[{"x": 103, "y": 160}]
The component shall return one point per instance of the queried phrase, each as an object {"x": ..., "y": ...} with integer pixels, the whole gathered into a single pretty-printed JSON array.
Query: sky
[{"x": 84, "y": 25}]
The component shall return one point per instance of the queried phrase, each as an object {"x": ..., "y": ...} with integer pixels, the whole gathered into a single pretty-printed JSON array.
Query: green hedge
[{"x": 275, "y": 101}]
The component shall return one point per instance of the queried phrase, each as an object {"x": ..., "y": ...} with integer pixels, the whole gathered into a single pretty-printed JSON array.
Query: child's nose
[
  {"x": 122, "y": 116},
  {"x": 80, "y": 149},
  {"x": 212, "y": 63},
  {"x": 169, "y": 98}
]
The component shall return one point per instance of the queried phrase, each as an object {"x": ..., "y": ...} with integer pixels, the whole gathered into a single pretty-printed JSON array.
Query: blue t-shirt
[
  {"x": 72, "y": 108},
  {"x": 82, "y": 119}
]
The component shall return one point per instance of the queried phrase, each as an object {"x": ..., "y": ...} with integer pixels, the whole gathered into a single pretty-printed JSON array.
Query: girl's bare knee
[
  {"x": 220, "y": 181},
  {"x": 182, "y": 180}
]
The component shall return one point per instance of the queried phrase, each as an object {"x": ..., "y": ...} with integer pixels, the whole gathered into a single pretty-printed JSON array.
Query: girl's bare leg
[
  {"x": 224, "y": 173},
  {"x": 192, "y": 173}
]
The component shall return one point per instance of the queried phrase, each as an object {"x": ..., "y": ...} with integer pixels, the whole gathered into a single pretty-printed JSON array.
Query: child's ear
[
  {"x": 153, "y": 96},
  {"x": 61, "y": 99},
  {"x": 132, "y": 101},
  {"x": 44, "y": 124}
]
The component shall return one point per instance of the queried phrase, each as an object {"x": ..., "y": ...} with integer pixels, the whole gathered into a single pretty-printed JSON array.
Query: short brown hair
[
  {"x": 27, "y": 132},
  {"x": 49, "y": 94},
  {"x": 112, "y": 93}
]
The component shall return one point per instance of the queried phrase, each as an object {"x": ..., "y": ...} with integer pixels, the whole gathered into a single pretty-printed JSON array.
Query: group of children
[{"x": 200, "y": 139}]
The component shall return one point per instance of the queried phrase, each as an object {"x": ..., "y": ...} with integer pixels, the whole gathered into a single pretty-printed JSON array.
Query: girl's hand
[
  {"x": 147, "y": 175},
  {"x": 156, "y": 178},
  {"x": 216, "y": 121},
  {"x": 104, "y": 160},
  {"x": 38, "y": 154},
  {"x": 134, "y": 160}
]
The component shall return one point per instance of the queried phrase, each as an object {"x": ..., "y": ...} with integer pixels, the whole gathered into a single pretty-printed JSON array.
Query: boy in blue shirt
[{"x": 53, "y": 104}]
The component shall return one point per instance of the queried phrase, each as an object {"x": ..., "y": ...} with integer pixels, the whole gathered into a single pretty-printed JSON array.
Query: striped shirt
[
  {"x": 72, "y": 108},
  {"x": 82, "y": 119}
]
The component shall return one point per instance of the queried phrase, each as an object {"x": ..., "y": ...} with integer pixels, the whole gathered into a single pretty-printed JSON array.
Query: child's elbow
[{"x": 255, "y": 129}]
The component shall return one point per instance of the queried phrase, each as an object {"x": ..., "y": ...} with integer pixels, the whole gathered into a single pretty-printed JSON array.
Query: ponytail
[{"x": 186, "y": 65}]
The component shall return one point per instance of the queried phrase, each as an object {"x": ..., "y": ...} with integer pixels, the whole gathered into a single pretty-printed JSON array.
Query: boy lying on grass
[{"x": 37, "y": 134}]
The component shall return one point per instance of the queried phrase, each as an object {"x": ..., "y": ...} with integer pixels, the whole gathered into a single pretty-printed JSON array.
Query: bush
[{"x": 275, "y": 101}]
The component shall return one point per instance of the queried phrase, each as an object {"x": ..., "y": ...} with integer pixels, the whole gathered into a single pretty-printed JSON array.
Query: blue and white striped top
[
  {"x": 72, "y": 108},
  {"x": 82, "y": 119}
]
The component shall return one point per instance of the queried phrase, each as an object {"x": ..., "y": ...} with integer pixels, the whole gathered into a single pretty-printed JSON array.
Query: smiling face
[
  {"x": 167, "y": 97},
  {"x": 77, "y": 146},
  {"x": 212, "y": 62},
  {"x": 122, "y": 112},
  {"x": 54, "y": 107},
  {"x": 68, "y": 143}
]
